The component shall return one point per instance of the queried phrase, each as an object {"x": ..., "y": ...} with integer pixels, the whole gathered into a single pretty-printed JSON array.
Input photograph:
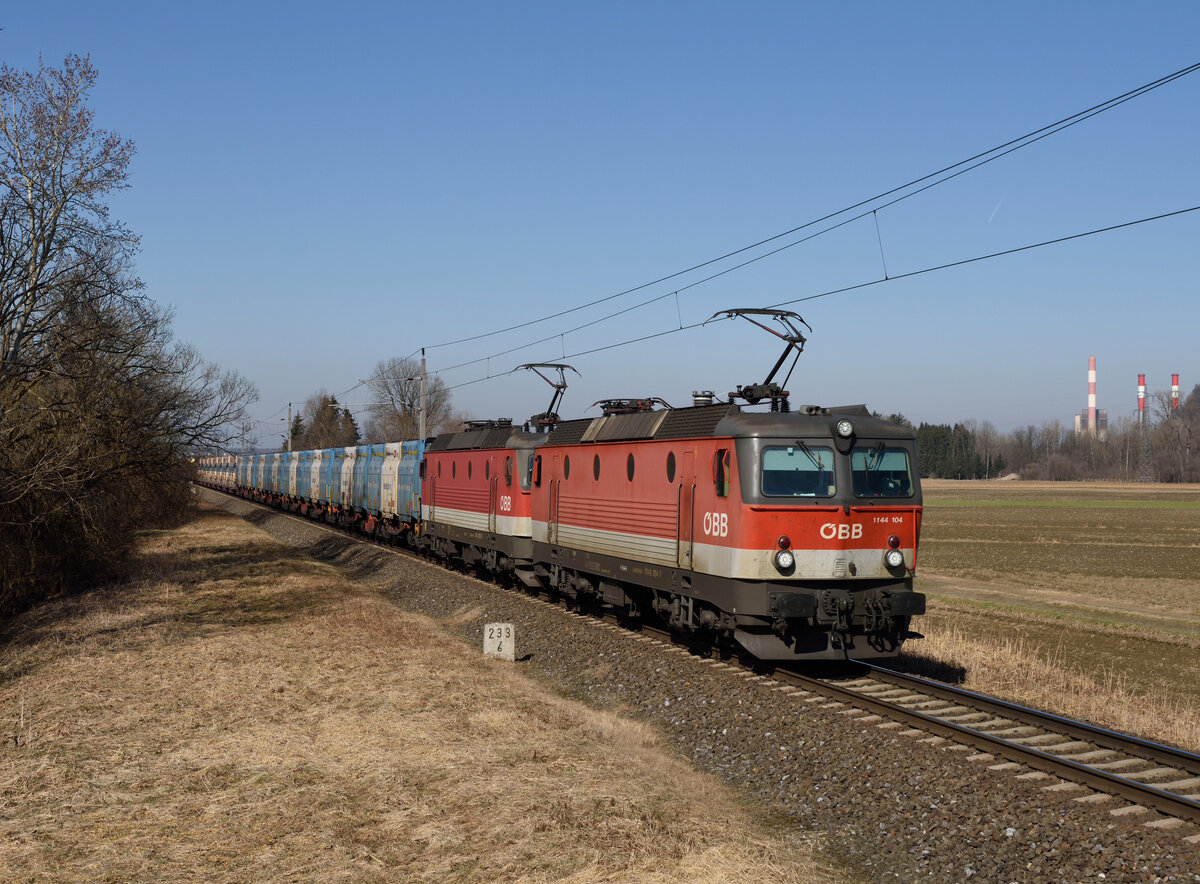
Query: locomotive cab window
[
  {"x": 721, "y": 471},
  {"x": 799, "y": 470},
  {"x": 880, "y": 471}
]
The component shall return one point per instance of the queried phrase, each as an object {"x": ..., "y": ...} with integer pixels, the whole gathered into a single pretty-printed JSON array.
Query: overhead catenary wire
[
  {"x": 1001, "y": 254},
  {"x": 375, "y": 376},
  {"x": 970, "y": 163},
  {"x": 898, "y": 194},
  {"x": 874, "y": 282},
  {"x": 929, "y": 181}
]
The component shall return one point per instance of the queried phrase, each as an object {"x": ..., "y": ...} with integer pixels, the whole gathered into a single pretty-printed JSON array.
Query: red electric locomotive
[
  {"x": 475, "y": 498},
  {"x": 793, "y": 534}
]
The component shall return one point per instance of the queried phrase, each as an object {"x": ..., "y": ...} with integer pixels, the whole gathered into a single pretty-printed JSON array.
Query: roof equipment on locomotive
[
  {"x": 793, "y": 341},
  {"x": 549, "y": 418}
]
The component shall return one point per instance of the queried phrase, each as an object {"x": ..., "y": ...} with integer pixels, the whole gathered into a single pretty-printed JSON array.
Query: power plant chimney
[
  {"x": 1092, "y": 420},
  {"x": 1174, "y": 391},
  {"x": 1091, "y": 412},
  {"x": 1141, "y": 412}
]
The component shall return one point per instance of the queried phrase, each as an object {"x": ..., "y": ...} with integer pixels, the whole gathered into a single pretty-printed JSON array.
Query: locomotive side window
[
  {"x": 508, "y": 471},
  {"x": 798, "y": 471},
  {"x": 468, "y": 469},
  {"x": 721, "y": 471},
  {"x": 596, "y": 468},
  {"x": 671, "y": 466},
  {"x": 567, "y": 467},
  {"x": 880, "y": 472},
  {"x": 629, "y": 466},
  {"x": 534, "y": 473}
]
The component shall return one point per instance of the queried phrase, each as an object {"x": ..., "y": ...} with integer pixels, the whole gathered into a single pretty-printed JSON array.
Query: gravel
[{"x": 887, "y": 806}]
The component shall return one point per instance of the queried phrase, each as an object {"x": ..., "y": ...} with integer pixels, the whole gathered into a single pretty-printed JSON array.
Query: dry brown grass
[
  {"x": 1047, "y": 678},
  {"x": 1082, "y": 598},
  {"x": 243, "y": 714}
]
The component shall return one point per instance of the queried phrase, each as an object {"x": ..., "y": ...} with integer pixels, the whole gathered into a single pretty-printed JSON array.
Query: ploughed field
[{"x": 1098, "y": 581}]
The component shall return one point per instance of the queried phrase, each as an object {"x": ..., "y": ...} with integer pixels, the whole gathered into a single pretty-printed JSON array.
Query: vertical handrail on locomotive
[{"x": 846, "y": 551}]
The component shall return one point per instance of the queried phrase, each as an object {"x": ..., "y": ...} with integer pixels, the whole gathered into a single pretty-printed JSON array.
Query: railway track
[
  {"x": 1059, "y": 754},
  {"x": 1149, "y": 777}
]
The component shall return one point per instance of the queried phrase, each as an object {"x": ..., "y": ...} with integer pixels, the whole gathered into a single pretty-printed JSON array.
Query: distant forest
[{"x": 1162, "y": 451}]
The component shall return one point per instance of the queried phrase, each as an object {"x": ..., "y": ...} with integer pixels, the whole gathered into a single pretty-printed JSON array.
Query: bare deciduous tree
[
  {"x": 1174, "y": 437},
  {"x": 394, "y": 414},
  {"x": 58, "y": 168},
  {"x": 99, "y": 405}
]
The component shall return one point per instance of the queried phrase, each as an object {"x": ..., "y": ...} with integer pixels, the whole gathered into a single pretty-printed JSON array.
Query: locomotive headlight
[
  {"x": 784, "y": 560},
  {"x": 893, "y": 558},
  {"x": 845, "y": 429}
]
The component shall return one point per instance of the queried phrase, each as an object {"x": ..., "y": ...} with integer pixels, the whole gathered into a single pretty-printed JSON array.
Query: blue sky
[{"x": 319, "y": 188}]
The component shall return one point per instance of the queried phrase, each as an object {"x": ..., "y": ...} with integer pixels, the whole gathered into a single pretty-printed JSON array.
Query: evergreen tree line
[
  {"x": 1163, "y": 450},
  {"x": 323, "y": 423}
]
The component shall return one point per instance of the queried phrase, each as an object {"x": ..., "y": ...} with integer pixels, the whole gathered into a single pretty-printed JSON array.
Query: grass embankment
[
  {"x": 1080, "y": 598},
  {"x": 242, "y": 713}
]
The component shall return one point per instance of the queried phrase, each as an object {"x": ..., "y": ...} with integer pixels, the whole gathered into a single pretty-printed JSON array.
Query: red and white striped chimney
[
  {"x": 1141, "y": 414},
  {"x": 1091, "y": 414},
  {"x": 1174, "y": 391}
]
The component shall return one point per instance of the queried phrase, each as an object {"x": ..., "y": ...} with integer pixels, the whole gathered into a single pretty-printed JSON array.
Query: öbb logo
[
  {"x": 716, "y": 524},
  {"x": 842, "y": 532}
]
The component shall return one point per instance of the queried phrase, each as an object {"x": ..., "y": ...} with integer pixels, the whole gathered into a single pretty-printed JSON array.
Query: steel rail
[
  {"x": 1167, "y": 803},
  {"x": 1103, "y": 737}
]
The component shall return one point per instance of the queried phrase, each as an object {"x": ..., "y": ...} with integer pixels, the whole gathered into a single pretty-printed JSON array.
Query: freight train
[{"x": 792, "y": 534}]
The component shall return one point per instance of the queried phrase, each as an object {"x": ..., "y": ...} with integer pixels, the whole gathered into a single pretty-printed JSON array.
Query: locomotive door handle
[
  {"x": 552, "y": 531},
  {"x": 691, "y": 525},
  {"x": 679, "y": 525}
]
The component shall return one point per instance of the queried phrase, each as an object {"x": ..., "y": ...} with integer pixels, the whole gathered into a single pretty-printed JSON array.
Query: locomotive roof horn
[
  {"x": 793, "y": 341},
  {"x": 548, "y": 419}
]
